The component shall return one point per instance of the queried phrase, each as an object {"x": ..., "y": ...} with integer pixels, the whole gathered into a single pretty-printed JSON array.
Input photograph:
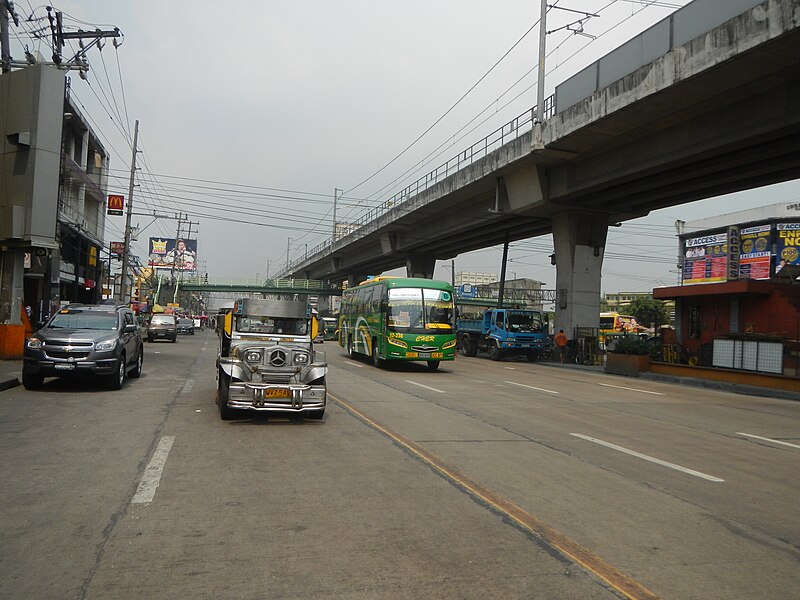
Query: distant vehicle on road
[
  {"x": 85, "y": 340},
  {"x": 331, "y": 328},
  {"x": 186, "y": 326},
  {"x": 163, "y": 326},
  {"x": 504, "y": 332}
]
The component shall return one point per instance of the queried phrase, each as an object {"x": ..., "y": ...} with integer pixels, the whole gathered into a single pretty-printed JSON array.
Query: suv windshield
[{"x": 79, "y": 319}]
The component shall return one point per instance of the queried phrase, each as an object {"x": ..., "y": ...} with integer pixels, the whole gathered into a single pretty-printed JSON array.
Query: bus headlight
[
  {"x": 398, "y": 343},
  {"x": 449, "y": 344}
]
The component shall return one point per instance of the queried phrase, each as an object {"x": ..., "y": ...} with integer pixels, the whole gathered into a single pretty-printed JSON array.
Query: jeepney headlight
[
  {"x": 252, "y": 356},
  {"x": 398, "y": 343},
  {"x": 449, "y": 344},
  {"x": 35, "y": 343},
  {"x": 301, "y": 358}
]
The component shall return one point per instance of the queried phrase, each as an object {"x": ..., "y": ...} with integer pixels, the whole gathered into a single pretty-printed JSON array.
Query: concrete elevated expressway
[{"x": 715, "y": 112}]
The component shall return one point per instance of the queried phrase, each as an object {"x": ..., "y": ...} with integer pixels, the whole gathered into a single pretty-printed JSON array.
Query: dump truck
[{"x": 504, "y": 332}]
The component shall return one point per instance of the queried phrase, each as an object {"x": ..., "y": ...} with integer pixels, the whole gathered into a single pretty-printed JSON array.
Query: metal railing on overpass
[
  {"x": 266, "y": 286},
  {"x": 507, "y": 133}
]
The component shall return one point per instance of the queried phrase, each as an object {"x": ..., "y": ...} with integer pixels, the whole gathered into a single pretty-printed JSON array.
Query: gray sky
[{"x": 256, "y": 110}]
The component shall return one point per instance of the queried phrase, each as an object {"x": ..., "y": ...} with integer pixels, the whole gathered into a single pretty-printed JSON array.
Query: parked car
[
  {"x": 91, "y": 340},
  {"x": 186, "y": 326},
  {"x": 163, "y": 327}
]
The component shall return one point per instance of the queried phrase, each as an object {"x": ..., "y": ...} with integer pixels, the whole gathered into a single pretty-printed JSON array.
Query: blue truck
[{"x": 504, "y": 332}]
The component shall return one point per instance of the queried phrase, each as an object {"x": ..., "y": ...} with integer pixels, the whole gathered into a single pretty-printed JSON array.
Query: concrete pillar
[
  {"x": 420, "y": 266},
  {"x": 579, "y": 239}
]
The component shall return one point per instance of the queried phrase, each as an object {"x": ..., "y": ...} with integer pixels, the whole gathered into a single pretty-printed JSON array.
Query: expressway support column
[
  {"x": 579, "y": 239},
  {"x": 420, "y": 266}
]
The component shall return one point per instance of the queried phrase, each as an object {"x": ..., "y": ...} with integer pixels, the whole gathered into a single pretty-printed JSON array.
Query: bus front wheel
[
  {"x": 377, "y": 361},
  {"x": 433, "y": 365}
]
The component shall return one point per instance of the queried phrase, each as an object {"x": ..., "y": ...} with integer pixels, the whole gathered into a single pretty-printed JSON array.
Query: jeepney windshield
[
  {"x": 418, "y": 310},
  {"x": 285, "y": 326},
  {"x": 524, "y": 322}
]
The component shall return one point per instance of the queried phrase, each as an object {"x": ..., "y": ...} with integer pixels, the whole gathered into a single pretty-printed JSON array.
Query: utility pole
[
  {"x": 542, "y": 50},
  {"x": 127, "y": 253},
  {"x": 288, "y": 241},
  {"x": 6, "y": 6},
  {"x": 336, "y": 192}
]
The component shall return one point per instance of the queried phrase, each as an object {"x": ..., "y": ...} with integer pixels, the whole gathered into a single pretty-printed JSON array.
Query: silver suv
[{"x": 94, "y": 339}]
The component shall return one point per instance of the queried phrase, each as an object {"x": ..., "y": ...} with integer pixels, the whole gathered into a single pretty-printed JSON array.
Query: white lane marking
[
  {"x": 152, "y": 474},
  {"x": 758, "y": 437},
  {"x": 187, "y": 387},
  {"x": 355, "y": 364},
  {"x": 663, "y": 463},
  {"x": 510, "y": 368},
  {"x": 530, "y": 387},
  {"x": 427, "y": 387},
  {"x": 619, "y": 387}
]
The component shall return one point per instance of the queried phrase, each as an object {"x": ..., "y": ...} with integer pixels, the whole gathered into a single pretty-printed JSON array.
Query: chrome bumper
[{"x": 272, "y": 397}]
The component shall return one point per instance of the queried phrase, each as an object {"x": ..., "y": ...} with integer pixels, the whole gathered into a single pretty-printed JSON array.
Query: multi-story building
[
  {"x": 473, "y": 278},
  {"x": 53, "y": 175}
]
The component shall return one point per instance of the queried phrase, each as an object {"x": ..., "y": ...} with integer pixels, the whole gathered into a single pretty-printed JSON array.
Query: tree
[{"x": 649, "y": 312}]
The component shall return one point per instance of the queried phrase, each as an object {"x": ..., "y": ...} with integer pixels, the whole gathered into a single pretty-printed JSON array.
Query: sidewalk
[{"x": 10, "y": 373}]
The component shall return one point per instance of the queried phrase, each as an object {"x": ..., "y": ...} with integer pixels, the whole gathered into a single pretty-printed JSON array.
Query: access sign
[{"x": 116, "y": 204}]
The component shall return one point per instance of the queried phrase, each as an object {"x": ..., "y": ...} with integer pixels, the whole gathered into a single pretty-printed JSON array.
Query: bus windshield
[{"x": 417, "y": 310}]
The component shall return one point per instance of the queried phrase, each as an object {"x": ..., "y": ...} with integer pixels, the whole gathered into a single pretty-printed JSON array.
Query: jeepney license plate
[{"x": 276, "y": 393}]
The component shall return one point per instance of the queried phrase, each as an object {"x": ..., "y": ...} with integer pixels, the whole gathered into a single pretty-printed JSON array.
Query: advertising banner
[
  {"x": 118, "y": 248},
  {"x": 706, "y": 259},
  {"x": 787, "y": 248},
  {"x": 166, "y": 253},
  {"x": 756, "y": 258}
]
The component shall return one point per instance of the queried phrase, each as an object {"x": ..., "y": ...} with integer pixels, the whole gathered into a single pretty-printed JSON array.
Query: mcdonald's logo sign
[{"x": 116, "y": 204}]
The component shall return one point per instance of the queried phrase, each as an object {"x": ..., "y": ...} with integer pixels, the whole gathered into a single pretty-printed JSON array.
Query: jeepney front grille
[
  {"x": 278, "y": 358},
  {"x": 273, "y": 377}
]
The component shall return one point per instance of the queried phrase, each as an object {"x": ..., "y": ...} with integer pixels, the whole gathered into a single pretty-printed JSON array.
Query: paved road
[{"x": 480, "y": 480}]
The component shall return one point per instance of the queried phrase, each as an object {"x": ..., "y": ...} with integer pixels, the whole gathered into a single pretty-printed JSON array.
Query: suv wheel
[
  {"x": 137, "y": 370},
  {"x": 223, "y": 391},
  {"x": 31, "y": 381},
  {"x": 116, "y": 380}
]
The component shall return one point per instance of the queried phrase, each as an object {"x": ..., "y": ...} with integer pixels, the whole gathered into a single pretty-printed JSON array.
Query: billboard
[
  {"x": 706, "y": 259},
  {"x": 755, "y": 259},
  {"x": 166, "y": 253},
  {"x": 787, "y": 246}
]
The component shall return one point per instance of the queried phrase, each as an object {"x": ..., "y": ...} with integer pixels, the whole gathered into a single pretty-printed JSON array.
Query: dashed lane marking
[
  {"x": 152, "y": 474},
  {"x": 619, "y": 387},
  {"x": 530, "y": 387},
  {"x": 766, "y": 439},
  {"x": 427, "y": 387},
  {"x": 651, "y": 459}
]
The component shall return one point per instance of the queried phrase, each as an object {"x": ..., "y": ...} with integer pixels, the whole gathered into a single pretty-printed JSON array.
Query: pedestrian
[{"x": 561, "y": 341}]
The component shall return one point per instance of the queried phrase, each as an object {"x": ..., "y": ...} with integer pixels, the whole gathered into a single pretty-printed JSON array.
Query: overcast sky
[{"x": 252, "y": 112}]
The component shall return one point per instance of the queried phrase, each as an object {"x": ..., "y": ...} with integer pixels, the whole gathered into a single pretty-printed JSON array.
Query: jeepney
[{"x": 268, "y": 361}]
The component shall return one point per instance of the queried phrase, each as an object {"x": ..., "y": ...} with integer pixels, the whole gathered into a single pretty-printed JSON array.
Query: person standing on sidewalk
[{"x": 561, "y": 341}]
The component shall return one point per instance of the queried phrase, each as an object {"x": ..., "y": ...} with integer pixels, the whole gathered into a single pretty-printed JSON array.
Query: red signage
[
  {"x": 117, "y": 247},
  {"x": 116, "y": 204}
]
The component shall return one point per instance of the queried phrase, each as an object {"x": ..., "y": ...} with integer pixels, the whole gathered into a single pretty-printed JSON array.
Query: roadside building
[
  {"x": 739, "y": 303},
  {"x": 53, "y": 177}
]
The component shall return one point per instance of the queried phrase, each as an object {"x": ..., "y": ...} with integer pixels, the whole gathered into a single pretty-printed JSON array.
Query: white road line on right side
[
  {"x": 651, "y": 459},
  {"x": 530, "y": 387},
  {"x": 766, "y": 439},
  {"x": 619, "y": 387},
  {"x": 355, "y": 364}
]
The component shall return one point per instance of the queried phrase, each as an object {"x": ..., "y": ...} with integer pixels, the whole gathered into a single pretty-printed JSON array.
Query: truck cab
[
  {"x": 503, "y": 332},
  {"x": 268, "y": 361}
]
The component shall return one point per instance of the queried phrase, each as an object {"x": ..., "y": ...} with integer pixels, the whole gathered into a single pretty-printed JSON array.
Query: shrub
[{"x": 632, "y": 345}]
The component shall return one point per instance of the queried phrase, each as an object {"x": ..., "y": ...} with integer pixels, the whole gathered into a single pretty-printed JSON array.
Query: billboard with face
[{"x": 168, "y": 253}]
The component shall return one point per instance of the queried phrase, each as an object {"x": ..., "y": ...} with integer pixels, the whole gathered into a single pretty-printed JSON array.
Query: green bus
[{"x": 399, "y": 318}]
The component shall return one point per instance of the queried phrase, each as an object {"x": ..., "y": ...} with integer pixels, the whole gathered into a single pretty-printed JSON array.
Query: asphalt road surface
[{"x": 481, "y": 480}]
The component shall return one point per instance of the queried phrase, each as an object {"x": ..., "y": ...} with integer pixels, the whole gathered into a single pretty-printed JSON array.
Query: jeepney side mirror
[{"x": 315, "y": 332}]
